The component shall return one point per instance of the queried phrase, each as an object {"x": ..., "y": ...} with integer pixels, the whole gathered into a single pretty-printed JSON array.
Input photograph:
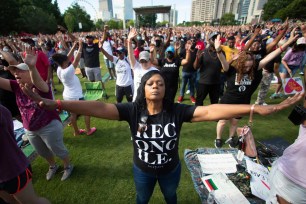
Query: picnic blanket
[{"x": 193, "y": 165}]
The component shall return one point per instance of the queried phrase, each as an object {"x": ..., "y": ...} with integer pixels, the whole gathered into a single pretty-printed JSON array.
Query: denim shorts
[{"x": 282, "y": 69}]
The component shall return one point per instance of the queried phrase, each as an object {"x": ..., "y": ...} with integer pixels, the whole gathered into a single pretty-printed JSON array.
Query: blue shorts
[{"x": 282, "y": 69}]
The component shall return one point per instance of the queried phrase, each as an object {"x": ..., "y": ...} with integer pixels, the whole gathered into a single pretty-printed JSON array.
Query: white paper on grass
[
  {"x": 215, "y": 163},
  {"x": 227, "y": 192},
  {"x": 17, "y": 124},
  {"x": 259, "y": 179}
]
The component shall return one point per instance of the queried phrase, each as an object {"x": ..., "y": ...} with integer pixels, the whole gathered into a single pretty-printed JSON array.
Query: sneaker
[
  {"x": 302, "y": 73},
  {"x": 80, "y": 132},
  {"x": 91, "y": 131},
  {"x": 51, "y": 172},
  {"x": 265, "y": 104},
  {"x": 67, "y": 172},
  {"x": 281, "y": 95},
  {"x": 188, "y": 92},
  {"x": 193, "y": 100},
  {"x": 218, "y": 143},
  {"x": 180, "y": 99},
  {"x": 232, "y": 141},
  {"x": 274, "y": 96}
]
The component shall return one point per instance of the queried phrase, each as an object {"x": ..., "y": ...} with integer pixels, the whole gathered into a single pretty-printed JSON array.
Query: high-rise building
[
  {"x": 209, "y": 10},
  {"x": 172, "y": 19},
  {"x": 106, "y": 9},
  {"x": 245, "y": 11}
]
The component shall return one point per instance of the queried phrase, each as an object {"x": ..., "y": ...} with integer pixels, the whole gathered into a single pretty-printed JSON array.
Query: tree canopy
[
  {"x": 75, "y": 15},
  {"x": 284, "y": 8},
  {"x": 228, "y": 19},
  {"x": 147, "y": 20}
]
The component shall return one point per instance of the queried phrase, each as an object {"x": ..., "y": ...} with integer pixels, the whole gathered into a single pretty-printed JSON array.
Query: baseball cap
[
  {"x": 170, "y": 49},
  {"x": 120, "y": 49},
  {"x": 144, "y": 55},
  {"x": 213, "y": 35},
  {"x": 21, "y": 66},
  {"x": 301, "y": 41}
]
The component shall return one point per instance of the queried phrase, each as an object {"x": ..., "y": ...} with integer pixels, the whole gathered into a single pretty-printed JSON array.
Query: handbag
[{"x": 246, "y": 138}]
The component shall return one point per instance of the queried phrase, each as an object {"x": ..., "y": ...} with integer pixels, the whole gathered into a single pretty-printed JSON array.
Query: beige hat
[
  {"x": 301, "y": 41},
  {"x": 21, "y": 66},
  {"x": 144, "y": 55}
]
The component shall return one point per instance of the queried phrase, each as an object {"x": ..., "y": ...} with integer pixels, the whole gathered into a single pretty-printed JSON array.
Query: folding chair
[{"x": 94, "y": 91}]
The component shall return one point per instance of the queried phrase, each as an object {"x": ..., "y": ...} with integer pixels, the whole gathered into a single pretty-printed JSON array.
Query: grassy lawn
[{"x": 103, "y": 161}]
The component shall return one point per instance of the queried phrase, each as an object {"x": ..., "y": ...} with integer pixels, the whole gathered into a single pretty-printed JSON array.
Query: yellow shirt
[{"x": 229, "y": 52}]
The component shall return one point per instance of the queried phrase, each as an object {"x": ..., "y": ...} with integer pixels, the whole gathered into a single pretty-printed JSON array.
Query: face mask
[
  {"x": 133, "y": 46},
  {"x": 170, "y": 55},
  {"x": 193, "y": 46},
  {"x": 157, "y": 42},
  {"x": 5, "y": 49},
  {"x": 138, "y": 37},
  {"x": 60, "y": 46}
]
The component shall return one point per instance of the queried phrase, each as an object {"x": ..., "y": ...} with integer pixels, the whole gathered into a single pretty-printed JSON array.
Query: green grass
[{"x": 103, "y": 161}]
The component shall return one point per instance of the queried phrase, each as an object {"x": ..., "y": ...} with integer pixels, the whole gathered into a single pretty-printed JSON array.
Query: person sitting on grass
[
  {"x": 155, "y": 123},
  {"x": 287, "y": 178},
  {"x": 72, "y": 85},
  {"x": 15, "y": 173},
  {"x": 44, "y": 127}
]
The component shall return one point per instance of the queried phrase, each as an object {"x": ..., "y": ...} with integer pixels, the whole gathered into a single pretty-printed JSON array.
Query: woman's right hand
[{"x": 133, "y": 33}]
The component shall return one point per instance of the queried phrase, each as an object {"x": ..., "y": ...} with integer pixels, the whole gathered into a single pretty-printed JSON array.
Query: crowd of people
[{"x": 227, "y": 63}]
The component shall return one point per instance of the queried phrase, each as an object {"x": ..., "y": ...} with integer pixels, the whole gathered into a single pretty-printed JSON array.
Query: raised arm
[
  {"x": 79, "y": 53},
  {"x": 270, "y": 47},
  {"x": 108, "y": 56},
  {"x": 226, "y": 111},
  {"x": 90, "y": 108},
  {"x": 250, "y": 42},
  {"x": 71, "y": 51},
  {"x": 167, "y": 43},
  {"x": 220, "y": 54},
  {"x": 30, "y": 60},
  {"x": 152, "y": 55},
  {"x": 278, "y": 51},
  {"x": 133, "y": 33},
  {"x": 187, "y": 57}
]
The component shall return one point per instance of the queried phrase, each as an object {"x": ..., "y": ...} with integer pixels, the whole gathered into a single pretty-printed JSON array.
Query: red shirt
[{"x": 200, "y": 45}]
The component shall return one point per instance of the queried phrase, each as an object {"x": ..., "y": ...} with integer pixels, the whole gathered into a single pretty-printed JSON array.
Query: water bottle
[{"x": 211, "y": 197}]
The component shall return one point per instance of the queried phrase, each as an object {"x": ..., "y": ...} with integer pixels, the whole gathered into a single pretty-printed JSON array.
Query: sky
[{"x": 182, "y": 6}]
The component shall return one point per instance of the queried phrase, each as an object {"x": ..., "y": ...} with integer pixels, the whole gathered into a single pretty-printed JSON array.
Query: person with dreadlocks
[{"x": 240, "y": 81}]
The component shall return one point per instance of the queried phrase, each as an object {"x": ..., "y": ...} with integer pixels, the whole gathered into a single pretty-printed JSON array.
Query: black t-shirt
[
  {"x": 156, "y": 149},
  {"x": 236, "y": 93},
  {"x": 210, "y": 68},
  {"x": 259, "y": 55},
  {"x": 189, "y": 66},
  {"x": 270, "y": 66},
  {"x": 91, "y": 55},
  {"x": 170, "y": 70}
]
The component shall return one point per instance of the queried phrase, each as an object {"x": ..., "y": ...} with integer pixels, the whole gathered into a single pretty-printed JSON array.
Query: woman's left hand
[
  {"x": 31, "y": 56},
  {"x": 218, "y": 43},
  {"x": 269, "y": 109}
]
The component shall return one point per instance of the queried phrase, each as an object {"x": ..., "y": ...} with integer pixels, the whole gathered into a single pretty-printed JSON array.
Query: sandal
[
  {"x": 80, "y": 132},
  {"x": 92, "y": 130}
]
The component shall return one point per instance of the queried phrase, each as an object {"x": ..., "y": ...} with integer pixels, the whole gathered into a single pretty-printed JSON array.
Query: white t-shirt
[
  {"x": 138, "y": 74},
  {"x": 123, "y": 72},
  {"x": 72, "y": 85},
  {"x": 107, "y": 46}
]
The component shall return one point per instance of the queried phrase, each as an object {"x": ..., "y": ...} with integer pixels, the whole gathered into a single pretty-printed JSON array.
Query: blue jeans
[
  {"x": 145, "y": 183},
  {"x": 188, "y": 77}
]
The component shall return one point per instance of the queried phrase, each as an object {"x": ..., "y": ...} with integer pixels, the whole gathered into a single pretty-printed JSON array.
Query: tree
[
  {"x": 162, "y": 24},
  {"x": 99, "y": 24},
  {"x": 147, "y": 20},
  {"x": 272, "y": 7},
  {"x": 296, "y": 9},
  {"x": 228, "y": 19},
  {"x": 112, "y": 24},
  {"x": 77, "y": 15},
  {"x": 9, "y": 22},
  {"x": 35, "y": 20},
  {"x": 130, "y": 23}
]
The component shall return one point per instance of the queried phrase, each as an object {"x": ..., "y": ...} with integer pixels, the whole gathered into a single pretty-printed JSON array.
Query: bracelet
[
  {"x": 59, "y": 105},
  {"x": 281, "y": 48}
]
